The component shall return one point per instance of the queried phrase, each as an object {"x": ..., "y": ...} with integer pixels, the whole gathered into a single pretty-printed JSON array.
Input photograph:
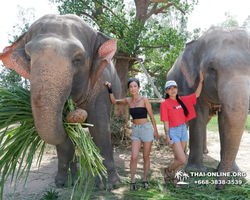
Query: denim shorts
[
  {"x": 143, "y": 132},
  {"x": 178, "y": 133}
]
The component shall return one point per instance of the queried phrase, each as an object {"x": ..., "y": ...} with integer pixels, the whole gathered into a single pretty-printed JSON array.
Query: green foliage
[
  {"x": 50, "y": 195},
  {"x": 157, "y": 31},
  {"x": 157, "y": 118},
  {"x": 147, "y": 89},
  {"x": 90, "y": 159},
  {"x": 192, "y": 191},
  {"x": 19, "y": 141},
  {"x": 18, "y": 137},
  {"x": 213, "y": 124},
  {"x": 9, "y": 77},
  {"x": 195, "y": 34},
  {"x": 247, "y": 128}
]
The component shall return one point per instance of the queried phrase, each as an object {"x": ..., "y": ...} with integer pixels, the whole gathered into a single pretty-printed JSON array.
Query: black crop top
[{"x": 138, "y": 112}]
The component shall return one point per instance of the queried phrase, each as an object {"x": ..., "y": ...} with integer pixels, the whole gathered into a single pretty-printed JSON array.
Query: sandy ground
[
  {"x": 43, "y": 179},
  {"x": 162, "y": 157}
]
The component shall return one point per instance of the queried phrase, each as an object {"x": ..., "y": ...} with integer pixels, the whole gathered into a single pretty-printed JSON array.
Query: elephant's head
[
  {"x": 224, "y": 57},
  {"x": 60, "y": 55}
]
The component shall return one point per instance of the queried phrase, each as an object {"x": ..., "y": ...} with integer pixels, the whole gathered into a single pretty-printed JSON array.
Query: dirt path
[
  {"x": 162, "y": 157},
  {"x": 43, "y": 179}
]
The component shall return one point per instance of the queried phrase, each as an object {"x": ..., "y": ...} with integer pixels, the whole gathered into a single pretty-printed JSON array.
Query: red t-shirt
[{"x": 172, "y": 111}]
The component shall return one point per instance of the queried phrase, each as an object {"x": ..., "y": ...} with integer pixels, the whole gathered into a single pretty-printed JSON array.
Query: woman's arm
[
  {"x": 166, "y": 129},
  {"x": 111, "y": 95},
  {"x": 199, "y": 88},
  {"x": 152, "y": 118}
]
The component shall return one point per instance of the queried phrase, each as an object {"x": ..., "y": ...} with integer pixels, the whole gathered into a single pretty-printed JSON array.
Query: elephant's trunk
[
  {"x": 234, "y": 97},
  {"x": 50, "y": 89},
  {"x": 47, "y": 113}
]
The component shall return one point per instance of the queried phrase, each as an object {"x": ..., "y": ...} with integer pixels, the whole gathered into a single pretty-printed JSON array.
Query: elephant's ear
[
  {"x": 189, "y": 63},
  {"x": 14, "y": 57},
  {"x": 105, "y": 54}
]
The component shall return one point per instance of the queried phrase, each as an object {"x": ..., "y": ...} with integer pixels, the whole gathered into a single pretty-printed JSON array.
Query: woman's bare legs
[
  {"x": 179, "y": 156},
  {"x": 146, "y": 160},
  {"x": 135, "y": 148}
]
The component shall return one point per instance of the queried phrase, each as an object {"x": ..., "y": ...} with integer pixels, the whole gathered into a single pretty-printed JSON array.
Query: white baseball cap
[{"x": 170, "y": 84}]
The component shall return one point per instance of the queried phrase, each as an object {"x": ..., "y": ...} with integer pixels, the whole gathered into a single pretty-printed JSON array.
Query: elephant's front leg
[
  {"x": 100, "y": 132},
  {"x": 65, "y": 153},
  {"x": 230, "y": 138},
  {"x": 197, "y": 130}
]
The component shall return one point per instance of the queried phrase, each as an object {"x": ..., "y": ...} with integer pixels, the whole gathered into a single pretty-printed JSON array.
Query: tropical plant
[
  {"x": 50, "y": 195},
  {"x": 19, "y": 141}
]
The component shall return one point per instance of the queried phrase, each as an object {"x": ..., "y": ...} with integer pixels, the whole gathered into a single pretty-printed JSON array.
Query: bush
[{"x": 120, "y": 131}]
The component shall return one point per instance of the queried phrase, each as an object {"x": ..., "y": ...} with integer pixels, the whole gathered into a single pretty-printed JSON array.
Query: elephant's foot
[
  {"x": 235, "y": 168},
  {"x": 191, "y": 167},
  {"x": 205, "y": 150},
  {"x": 113, "y": 181},
  {"x": 62, "y": 178}
]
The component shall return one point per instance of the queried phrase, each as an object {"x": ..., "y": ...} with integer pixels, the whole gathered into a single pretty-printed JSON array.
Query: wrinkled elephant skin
[
  {"x": 224, "y": 57},
  {"x": 64, "y": 57}
]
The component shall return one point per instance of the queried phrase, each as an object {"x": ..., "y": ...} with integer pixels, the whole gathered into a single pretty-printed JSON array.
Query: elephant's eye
[
  {"x": 78, "y": 60},
  {"x": 28, "y": 58}
]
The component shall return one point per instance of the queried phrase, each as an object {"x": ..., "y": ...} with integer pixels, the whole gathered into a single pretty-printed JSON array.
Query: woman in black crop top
[{"x": 139, "y": 108}]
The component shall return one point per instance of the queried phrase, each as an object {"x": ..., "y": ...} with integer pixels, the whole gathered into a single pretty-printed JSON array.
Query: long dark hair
[
  {"x": 180, "y": 102},
  {"x": 133, "y": 80}
]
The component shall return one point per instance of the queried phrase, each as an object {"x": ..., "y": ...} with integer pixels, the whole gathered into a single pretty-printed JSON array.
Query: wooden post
[
  {"x": 159, "y": 100},
  {"x": 151, "y": 82}
]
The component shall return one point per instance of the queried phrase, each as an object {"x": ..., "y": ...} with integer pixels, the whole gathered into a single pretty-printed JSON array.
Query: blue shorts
[
  {"x": 178, "y": 133},
  {"x": 143, "y": 132}
]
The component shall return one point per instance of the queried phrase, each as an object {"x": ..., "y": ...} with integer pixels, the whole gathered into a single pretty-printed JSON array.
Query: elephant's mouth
[{"x": 82, "y": 98}]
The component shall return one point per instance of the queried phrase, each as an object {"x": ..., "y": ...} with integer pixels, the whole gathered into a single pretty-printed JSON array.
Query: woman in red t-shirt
[{"x": 175, "y": 111}]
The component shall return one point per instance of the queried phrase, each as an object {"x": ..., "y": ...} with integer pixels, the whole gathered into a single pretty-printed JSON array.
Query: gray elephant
[
  {"x": 224, "y": 57},
  {"x": 64, "y": 57}
]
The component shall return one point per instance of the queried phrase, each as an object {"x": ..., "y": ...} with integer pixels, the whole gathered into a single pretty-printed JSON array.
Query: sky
[
  {"x": 206, "y": 13},
  {"x": 209, "y": 12},
  {"x": 9, "y": 11}
]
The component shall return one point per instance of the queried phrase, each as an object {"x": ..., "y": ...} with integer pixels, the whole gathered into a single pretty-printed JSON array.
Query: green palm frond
[{"x": 19, "y": 142}]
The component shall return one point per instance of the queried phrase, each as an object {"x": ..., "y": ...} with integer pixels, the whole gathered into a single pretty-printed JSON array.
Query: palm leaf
[{"x": 19, "y": 142}]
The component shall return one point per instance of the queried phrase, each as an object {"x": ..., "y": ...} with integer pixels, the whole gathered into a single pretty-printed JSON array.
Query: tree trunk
[{"x": 122, "y": 66}]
